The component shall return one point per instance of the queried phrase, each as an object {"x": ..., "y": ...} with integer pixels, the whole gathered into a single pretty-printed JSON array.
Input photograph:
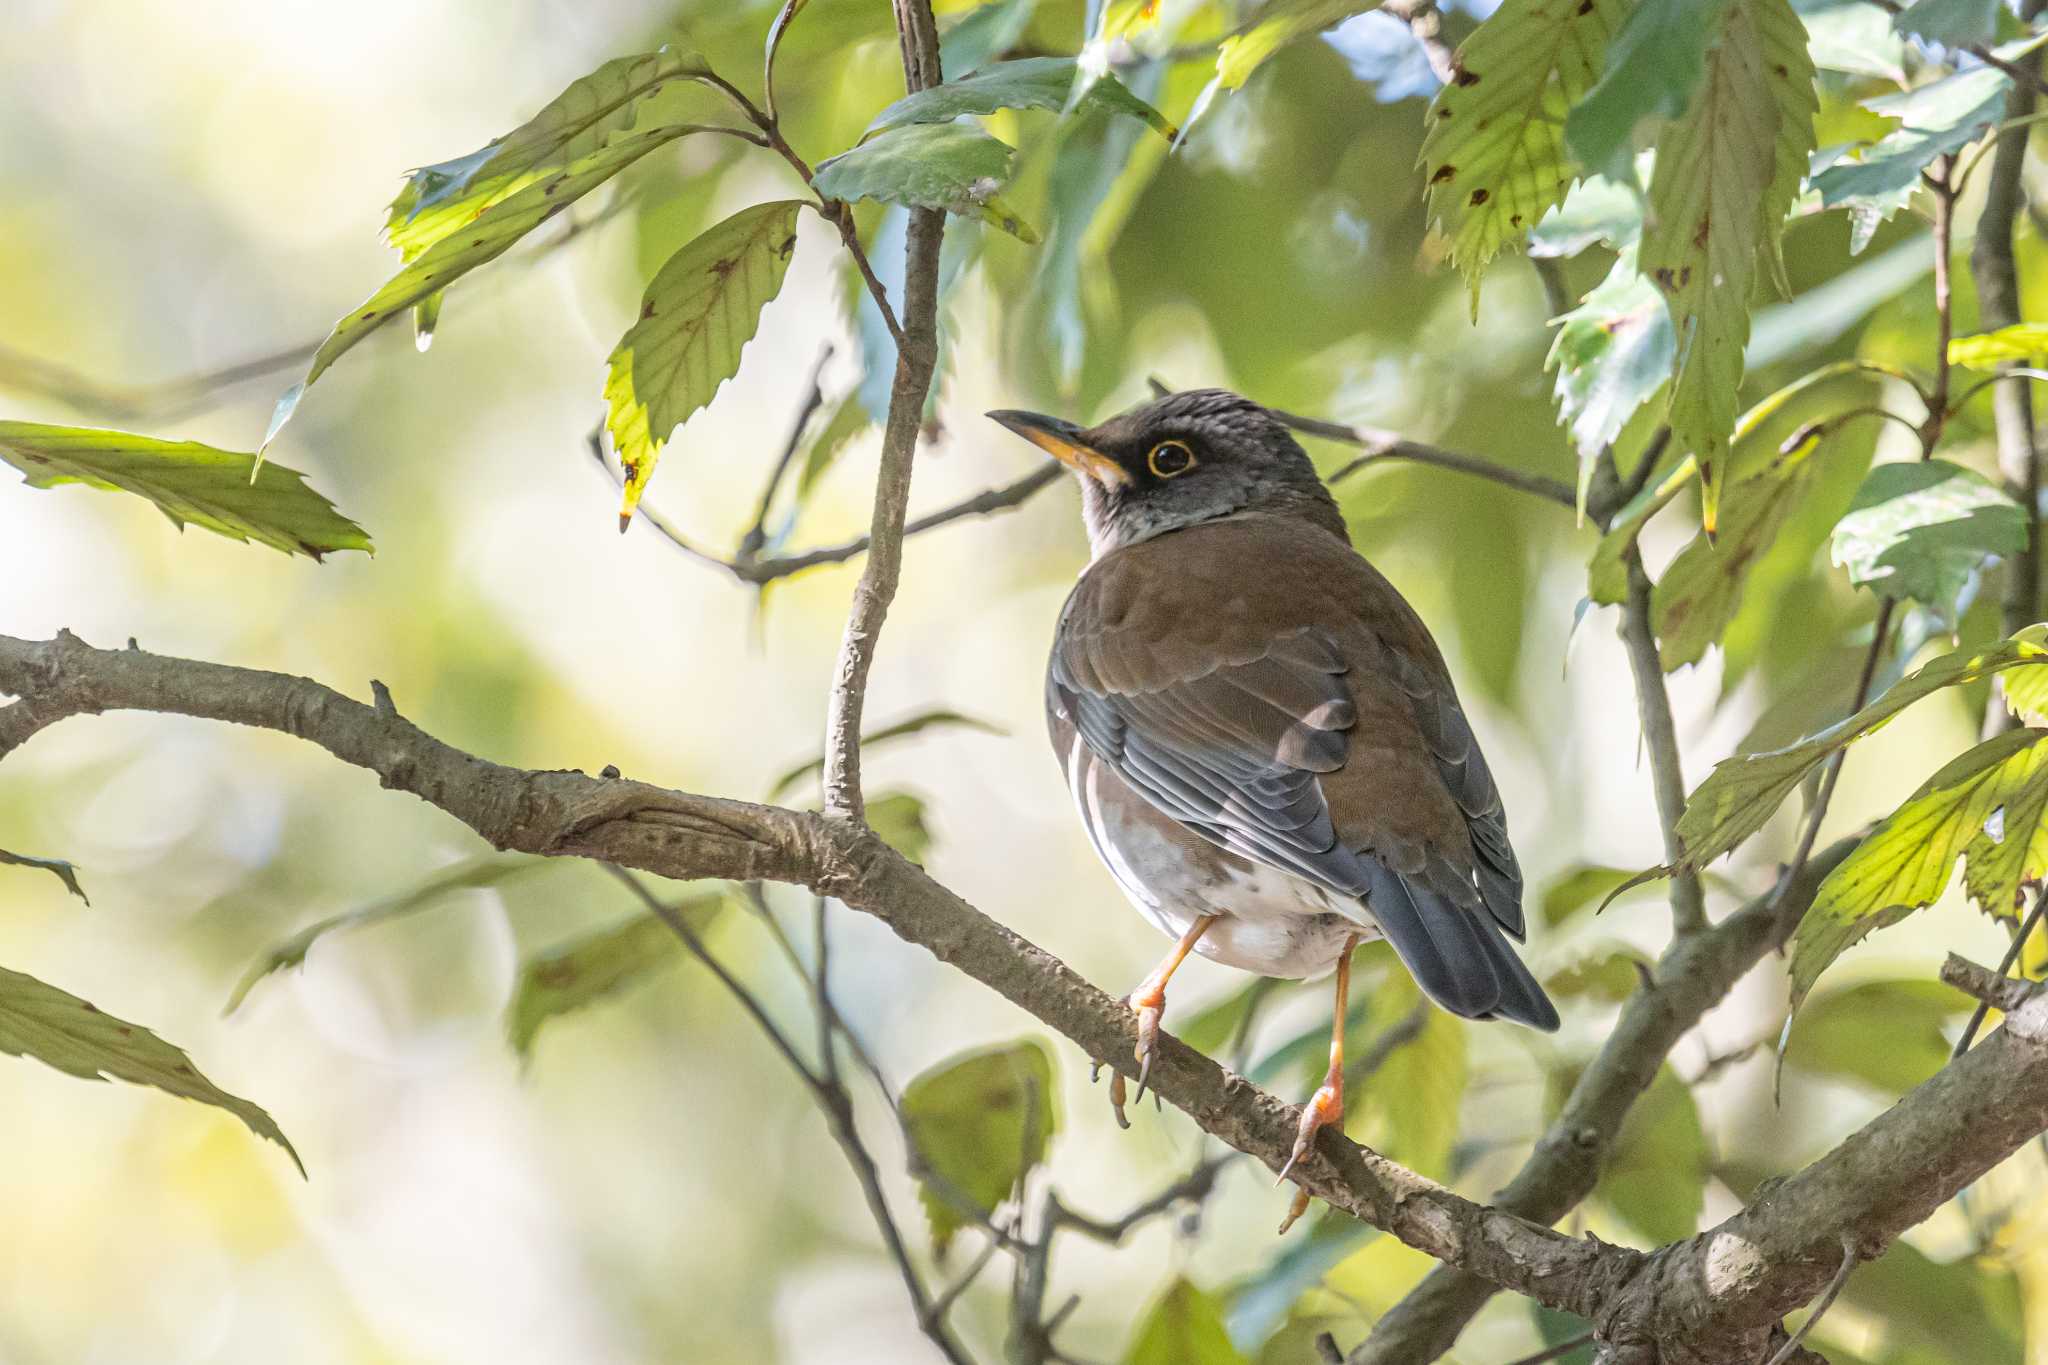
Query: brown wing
[{"x": 1300, "y": 717}]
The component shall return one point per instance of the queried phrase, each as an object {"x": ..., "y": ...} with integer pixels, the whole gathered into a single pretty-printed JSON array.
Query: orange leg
[
  {"x": 1325, "y": 1108},
  {"x": 1149, "y": 1000}
]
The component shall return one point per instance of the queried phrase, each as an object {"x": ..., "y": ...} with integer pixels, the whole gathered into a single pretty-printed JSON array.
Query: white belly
[{"x": 1269, "y": 921}]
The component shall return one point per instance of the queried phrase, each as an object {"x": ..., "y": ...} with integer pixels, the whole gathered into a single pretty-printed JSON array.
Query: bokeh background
[{"x": 187, "y": 186}]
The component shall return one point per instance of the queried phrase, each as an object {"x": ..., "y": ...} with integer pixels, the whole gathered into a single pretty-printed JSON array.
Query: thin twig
[
  {"x": 2024, "y": 75},
  {"x": 1941, "y": 180},
  {"x": 1660, "y": 736},
  {"x": 1827, "y": 1301},
  {"x": 814, "y": 398},
  {"x": 2012, "y": 955},
  {"x": 1387, "y": 445}
]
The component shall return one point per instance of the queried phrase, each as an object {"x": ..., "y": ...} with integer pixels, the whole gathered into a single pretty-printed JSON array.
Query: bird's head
[{"x": 1177, "y": 461}]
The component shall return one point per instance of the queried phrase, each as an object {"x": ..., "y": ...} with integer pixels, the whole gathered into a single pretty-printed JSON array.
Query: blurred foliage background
[{"x": 186, "y": 187}]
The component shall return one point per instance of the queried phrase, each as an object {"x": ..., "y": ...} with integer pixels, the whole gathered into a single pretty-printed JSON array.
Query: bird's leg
[
  {"x": 1326, "y": 1106},
  {"x": 1149, "y": 1001}
]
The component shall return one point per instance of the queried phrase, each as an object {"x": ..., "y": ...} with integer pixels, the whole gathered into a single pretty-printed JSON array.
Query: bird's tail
[{"x": 1461, "y": 959}]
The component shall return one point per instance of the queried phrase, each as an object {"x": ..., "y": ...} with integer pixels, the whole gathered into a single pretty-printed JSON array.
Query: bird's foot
[
  {"x": 1149, "y": 1004},
  {"x": 1324, "y": 1108}
]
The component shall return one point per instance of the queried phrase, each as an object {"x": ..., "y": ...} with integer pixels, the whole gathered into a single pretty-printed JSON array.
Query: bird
[{"x": 1260, "y": 735}]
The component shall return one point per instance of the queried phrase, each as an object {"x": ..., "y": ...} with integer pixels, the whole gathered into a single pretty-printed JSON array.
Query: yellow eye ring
[{"x": 1170, "y": 458}]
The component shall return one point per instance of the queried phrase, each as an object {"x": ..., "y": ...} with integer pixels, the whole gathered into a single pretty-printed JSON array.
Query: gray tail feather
[{"x": 1460, "y": 959}]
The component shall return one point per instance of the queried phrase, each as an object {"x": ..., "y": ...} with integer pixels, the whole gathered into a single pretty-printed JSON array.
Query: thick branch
[{"x": 916, "y": 355}]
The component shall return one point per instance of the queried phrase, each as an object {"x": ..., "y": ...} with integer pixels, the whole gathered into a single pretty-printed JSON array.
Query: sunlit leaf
[
  {"x": 1726, "y": 174},
  {"x": 978, "y": 1123},
  {"x": 1028, "y": 83},
  {"x": 1742, "y": 792},
  {"x": 1597, "y": 211},
  {"x": 1950, "y": 23},
  {"x": 2016, "y": 344},
  {"x": 2026, "y": 695},
  {"x": 1907, "y": 861},
  {"x": 939, "y": 718},
  {"x": 1857, "y": 38},
  {"x": 1936, "y": 119},
  {"x": 1274, "y": 26},
  {"x": 441, "y": 199},
  {"x": 1494, "y": 156},
  {"x": 899, "y": 819},
  {"x": 699, "y": 312},
  {"x": 63, "y": 871},
  {"x": 57, "y": 1028},
  {"x": 1656, "y": 1179},
  {"x": 1612, "y": 353},
  {"x": 1183, "y": 1327},
  {"x": 488, "y": 870},
  {"x": 599, "y": 964},
  {"x": 950, "y": 166},
  {"x": 1923, "y": 529},
  {"x": 192, "y": 484},
  {"x": 489, "y": 235},
  {"x": 1886, "y": 1034},
  {"x": 1652, "y": 68}
]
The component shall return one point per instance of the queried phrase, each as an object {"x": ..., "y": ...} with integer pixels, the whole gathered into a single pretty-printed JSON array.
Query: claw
[
  {"x": 1294, "y": 1212},
  {"x": 1116, "y": 1098}
]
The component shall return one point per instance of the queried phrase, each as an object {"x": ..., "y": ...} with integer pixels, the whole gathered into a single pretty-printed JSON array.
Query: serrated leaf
[
  {"x": 939, "y": 718},
  {"x": 1028, "y": 83},
  {"x": 1408, "y": 1107},
  {"x": 2016, "y": 344},
  {"x": 977, "y": 1125},
  {"x": 1742, "y": 792},
  {"x": 849, "y": 419},
  {"x": 487, "y": 236},
  {"x": 1184, "y": 1326},
  {"x": 1937, "y": 119},
  {"x": 1949, "y": 23},
  {"x": 2026, "y": 695},
  {"x": 585, "y": 970},
  {"x": 57, "y": 867},
  {"x": 1699, "y": 594},
  {"x": 699, "y": 312},
  {"x": 1907, "y": 861},
  {"x": 488, "y": 870},
  {"x": 1656, "y": 1179},
  {"x": 1494, "y": 157},
  {"x": 1612, "y": 353},
  {"x": 1277, "y": 24},
  {"x": 1726, "y": 174},
  {"x": 1652, "y": 68},
  {"x": 1837, "y": 1033},
  {"x": 57, "y": 1028},
  {"x": 192, "y": 484},
  {"x": 949, "y": 166},
  {"x": 1923, "y": 529},
  {"x": 440, "y": 199},
  {"x": 1595, "y": 212}
]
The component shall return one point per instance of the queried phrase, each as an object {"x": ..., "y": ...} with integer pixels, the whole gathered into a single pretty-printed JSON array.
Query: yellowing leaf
[
  {"x": 1741, "y": 793},
  {"x": 2016, "y": 344},
  {"x": 1725, "y": 176},
  {"x": 190, "y": 483},
  {"x": 55, "y": 1027},
  {"x": 587, "y": 969},
  {"x": 701, "y": 308},
  {"x": 1907, "y": 861},
  {"x": 1184, "y": 1327},
  {"x": 1276, "y": 25},
  {"x": 1494, "y": 156},
  {"x": 977, "y": 1124}
]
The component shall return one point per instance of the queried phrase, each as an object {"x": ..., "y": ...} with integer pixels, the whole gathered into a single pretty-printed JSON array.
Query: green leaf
[
  {"x": 488, "y": 870},
  {"x": 1726, "y": 175},
  {"x": 1494, "y": 156},
  {"x": 190, "y": 483},
  {"x": 1856, "y": 38},
  {"x": 1969, "y": 1309},
  {"x": 1742, "y": 792},
  {"x": 1699, "y": 593},
  {"x": 2016, "y": 344},
  {"x": 849, "y": 419},
  {"x": 1277, "y": 24},
  {"x": 1653, "y": 65},
  {"x": 489, "y": 235},
  {"x": 2026, "y": 695},
  {"x": 978, "y": 1123},
  {"x": 1612, "y": 353},
  {"x": 1936, "y": 119},
  {"x": 1907, "y": 861},
  {"x": 985, "y": 33},
  {"x": 699, "y": 312},
  {"x": 949, "y": 166},
  {"x": 440, "y": 199},
  {"x": 1596, "y": 212},
  {"x": 587, "y": 969},
  {"x": 1581, "y": 885},
  {"x": 940, "y": 718},
  {"x": 899, "y": 819},
  {"x": 1609, "y": 974},
  {"x": 1923, "y": 529},
  {"x": 57, "y": 1028},
  {"x": 1886, "y": 1034},
  {"x": 1029, "y": 83},
  {"x": 1212, "y": 1029},
  {"x": 1184, "y": 1326},
  {"x": 1950, "y": 23},
  {"x": 1408, "y": 1107},
  {"x": 1656, "y": 1180},
  {"x": 63, "y": 871}
]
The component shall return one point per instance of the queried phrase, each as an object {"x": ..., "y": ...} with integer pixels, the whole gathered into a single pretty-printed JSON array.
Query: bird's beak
[{"x": 1062, "y": 440}]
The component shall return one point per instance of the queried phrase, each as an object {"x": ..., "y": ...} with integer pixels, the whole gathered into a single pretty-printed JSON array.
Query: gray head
[{"x": 1179, "y": 461}]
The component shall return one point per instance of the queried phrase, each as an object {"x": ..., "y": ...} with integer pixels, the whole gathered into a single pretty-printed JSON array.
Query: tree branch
[
  {"x": 916, "y": 356},
  {"x": 1660, "y": 736}
]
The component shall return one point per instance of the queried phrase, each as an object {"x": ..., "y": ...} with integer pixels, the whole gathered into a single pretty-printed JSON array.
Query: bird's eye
[{"x": 1169, "y": 458}]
